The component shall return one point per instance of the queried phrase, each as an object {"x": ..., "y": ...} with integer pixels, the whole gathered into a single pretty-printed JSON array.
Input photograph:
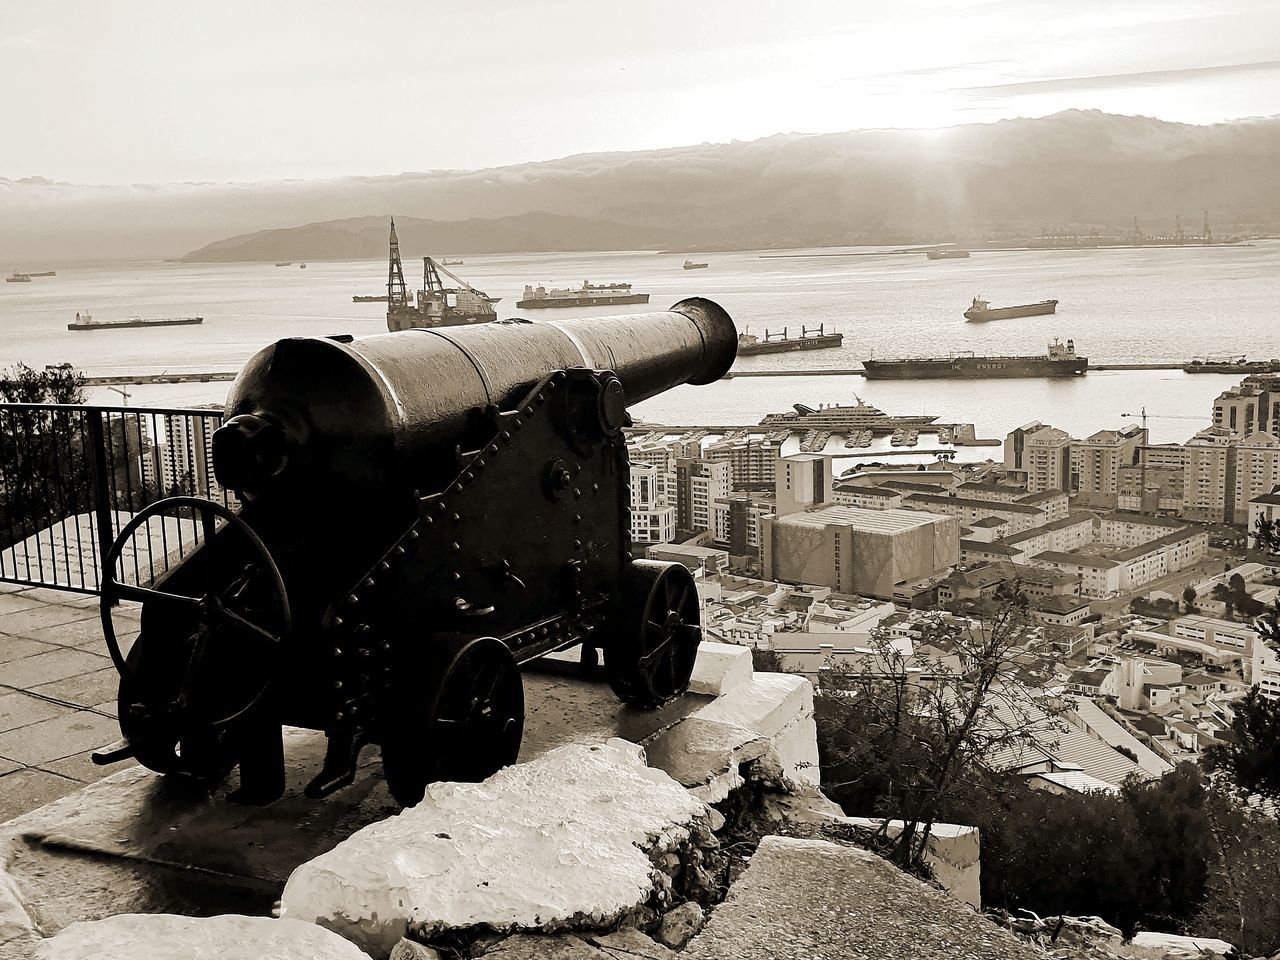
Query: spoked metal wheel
[
  {"x": 469, "y": 725},
  {"x": 212, "y": 629},
  {"x": 650, "y": 657}
]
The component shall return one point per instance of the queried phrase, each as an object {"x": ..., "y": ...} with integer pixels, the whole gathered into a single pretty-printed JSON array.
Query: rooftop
[
  {"x": 871, "y": 521},
  {"x": 1075, "y": 559},
  {"x": 975, "y": 504},
  {"x": 1058, "y": 603},
  {"x": 994, "y": 549},
  {"x": 1143, "y": 519}
]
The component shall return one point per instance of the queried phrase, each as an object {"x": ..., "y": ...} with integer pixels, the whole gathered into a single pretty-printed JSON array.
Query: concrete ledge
[
  {"x": 778, "y": 707},
  {"x": 704, "y": 756},
  {"x": 719, "y": 668}
]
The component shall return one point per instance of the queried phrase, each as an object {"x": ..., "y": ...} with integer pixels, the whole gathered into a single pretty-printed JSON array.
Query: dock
[{"x": 134, "y": 379}]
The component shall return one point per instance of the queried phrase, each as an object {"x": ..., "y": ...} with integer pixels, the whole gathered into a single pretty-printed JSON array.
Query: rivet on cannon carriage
[{"x": 420, "y": 514}]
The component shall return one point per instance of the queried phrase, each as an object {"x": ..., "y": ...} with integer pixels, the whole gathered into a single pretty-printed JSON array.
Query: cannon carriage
[{"x": 420, "y": 514}]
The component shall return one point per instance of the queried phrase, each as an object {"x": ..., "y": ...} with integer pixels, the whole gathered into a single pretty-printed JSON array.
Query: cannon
[{"x": 418, "y": 515}]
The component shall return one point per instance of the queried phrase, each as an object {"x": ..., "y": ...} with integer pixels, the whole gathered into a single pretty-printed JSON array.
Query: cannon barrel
[{"x": 307, "y": 414}]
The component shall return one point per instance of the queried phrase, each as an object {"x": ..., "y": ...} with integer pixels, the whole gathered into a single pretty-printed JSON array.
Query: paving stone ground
[{"x": 57, "y": 694}]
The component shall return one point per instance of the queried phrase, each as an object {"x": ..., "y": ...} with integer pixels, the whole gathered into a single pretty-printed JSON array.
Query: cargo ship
[
  {"x": 858, "y": 419},
  {"x": 18, "y": 278},
  {"x": 451, "y": 263},
  {"x": 1238, "y": 364},
  {"x": 434, "y": 305},
  {"x": 44, "y": 273},
  {"x": 1060, "y": 360},
  {"x": 811, "y": 338},
  {"x": 84, "y": 321},
  {"x": 982, "y": 310},
  {"x": 588, "y": 295},
  {"x": 948, "y": 254},
  {"x": 690, "y": 265},
  {"x": 382, "y": 298}
]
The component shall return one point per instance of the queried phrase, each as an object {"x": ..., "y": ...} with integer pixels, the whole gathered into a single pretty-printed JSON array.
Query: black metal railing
[{"x": 71, "y": 476}]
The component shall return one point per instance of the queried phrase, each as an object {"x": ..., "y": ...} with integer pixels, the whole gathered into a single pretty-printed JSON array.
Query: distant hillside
[
  {"x": 363, "y": 238},
  {"x": 1074, "y": 171}
]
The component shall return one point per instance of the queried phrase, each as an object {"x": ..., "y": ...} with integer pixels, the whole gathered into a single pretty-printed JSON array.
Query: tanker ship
[
  {"x": 588, "y": 295},
  {"x": 1060, "y": 360},
  {"x": 982, "y": 310},
  {"x": 85, "y": 321},
  {"x": 810, "y": 339}
]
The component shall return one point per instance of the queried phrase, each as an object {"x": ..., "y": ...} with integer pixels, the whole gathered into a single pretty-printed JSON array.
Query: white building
[
  {"x": 653, "y": 520},
  {"x": 802, "y": 480},
  {"x": 699, "y": 484}
]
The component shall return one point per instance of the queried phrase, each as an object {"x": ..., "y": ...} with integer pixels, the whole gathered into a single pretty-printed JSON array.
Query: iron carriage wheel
[
  {"x": 465, "y": 726},
  {"x": 179, "y": 700},
  {"x": 650, "y": 658}
]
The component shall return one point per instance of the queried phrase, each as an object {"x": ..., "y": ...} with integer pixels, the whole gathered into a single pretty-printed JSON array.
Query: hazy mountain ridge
[{"x": 1075, "y": 170}]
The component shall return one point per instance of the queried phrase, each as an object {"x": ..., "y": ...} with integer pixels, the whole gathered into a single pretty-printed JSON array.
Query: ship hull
[
  {"x": 132, "y": 324},
  {"x": 826, "y": 342},
  {"x": 1008, "y": 313},
  {"x": 544, "y": 302},
  {"x": 410, "y": 318},
  {"x": 973, "y": 368}
]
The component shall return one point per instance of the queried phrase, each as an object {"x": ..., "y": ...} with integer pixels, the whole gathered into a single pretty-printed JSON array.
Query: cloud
[{"x": 1148, "y": 78}]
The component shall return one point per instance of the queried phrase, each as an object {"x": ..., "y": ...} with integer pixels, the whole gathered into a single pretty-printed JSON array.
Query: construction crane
[{"x": 123, "y": 391}]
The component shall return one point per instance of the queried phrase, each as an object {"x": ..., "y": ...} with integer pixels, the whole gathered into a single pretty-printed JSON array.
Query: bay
[{"x": 1154, "y": 304}]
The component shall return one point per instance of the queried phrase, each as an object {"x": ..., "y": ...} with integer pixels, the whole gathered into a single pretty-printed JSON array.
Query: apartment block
[
  {"x": 699, "y": 484},
  {"x": 1096, "y": 463}
]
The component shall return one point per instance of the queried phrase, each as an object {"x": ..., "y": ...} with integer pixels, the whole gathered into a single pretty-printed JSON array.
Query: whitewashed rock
[
  {"x": 413, "y": 950},
  {"x": 562, "y": 842},
  {"x": 1177, "y": 946},
  {"x": 680, "y": 925},
  {"x": 16, "y": 925},
  {"x": 163, "y": 936}
]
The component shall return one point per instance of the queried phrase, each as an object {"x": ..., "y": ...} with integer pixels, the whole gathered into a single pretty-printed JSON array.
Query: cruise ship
[
  {"x": 1060, "y": 360},
  {"x": 845, "y": 419},
  {"x": 588, "y": 295}
]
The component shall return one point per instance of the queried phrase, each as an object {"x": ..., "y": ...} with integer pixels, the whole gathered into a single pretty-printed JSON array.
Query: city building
[
  {"x": 737, "y": 522},
  {"x": 1020, "y": 516},
  {"x": 1096, "y": 463},
  {"x": 1206, "y": 476},
  {"x": 857, "y": 551},
  {"x": 1149, "y": 489},
  {"x": 1256, "y": 471},
  {"x": 1069, "y": 533},
  {"x": 188, "y": 454},
  {"x": 699, "y": 484},
  {"x": 867, "y": 497},
  {"x": 801, "y": 481},
  {"x": 1060, "y": 609},
  {"x": 646, "y": 449},
  {"x": 708, "y": 560},
  {"x": 1253, "y": 406},
  {"x": 1039, "y": 456},
  {"x": 1266, "y": 669},
  {"x": 752, "y": 460},
  {"x": 1265, "y": 507},
  {"x": 653, "y": 520}
]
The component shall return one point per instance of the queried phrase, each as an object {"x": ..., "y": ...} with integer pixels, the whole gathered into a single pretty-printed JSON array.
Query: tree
[
  {"x": 1252, "y": 757},
  {"x": 1189, "y": 598},
  {"x": 56, "y": 384},
  {"x": 903, "y": 732}
]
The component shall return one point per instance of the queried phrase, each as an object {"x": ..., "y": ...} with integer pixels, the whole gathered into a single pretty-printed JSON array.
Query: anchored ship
[
  {"x": 85, "y": 321},
  {"x": 369, "y": 299},
  {"x": 690, "y": 265},
  {"x": 588, "y": 295},
  {"x": 982, "y": 310},
  {"x": 948, "y": 254},
  {"x": 1060, "y": 360},
  {"x": 451, "y": 263},
  {"x": 18, "y": 278},
  {"x": 811, "y": 338},
  {"x": 435, "y": 305},
  {"x": 1235, "y": 364}
]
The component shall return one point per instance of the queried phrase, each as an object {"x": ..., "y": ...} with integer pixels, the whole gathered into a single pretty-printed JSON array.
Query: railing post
[{"x": 101, "y": 488}]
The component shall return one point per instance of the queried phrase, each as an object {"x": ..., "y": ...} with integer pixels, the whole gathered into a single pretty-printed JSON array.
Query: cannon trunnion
[{"x": 422, "y": 513}]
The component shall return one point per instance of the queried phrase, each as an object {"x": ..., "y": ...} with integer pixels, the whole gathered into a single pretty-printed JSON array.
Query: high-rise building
[
  {"x": 1207, "y": 475},
  {"x": 1256, "y": 472},
  {"x": 752, "y": 461},
  {"x": 1253, "y": 406},
  {"x": 1040, "y": 456},
  {"x": 737, "y": 522},
  {"x": 1096, "y": 463},
  {"x": 653, "y": 520},
  {"x": 188, "y": 455},
  {"x": 699, "y": 484},
  {"x": 662, "y": 457},
  {"x": 803, "y": 480}
]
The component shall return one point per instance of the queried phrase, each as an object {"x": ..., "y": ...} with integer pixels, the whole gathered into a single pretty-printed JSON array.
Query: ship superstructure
[
  {"x": 434, "y": 305},
  {"x": 845, "y": 419}
]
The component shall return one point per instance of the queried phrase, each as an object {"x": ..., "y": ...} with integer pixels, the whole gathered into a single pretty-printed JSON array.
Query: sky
[{"x": 143, "y": 91}]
